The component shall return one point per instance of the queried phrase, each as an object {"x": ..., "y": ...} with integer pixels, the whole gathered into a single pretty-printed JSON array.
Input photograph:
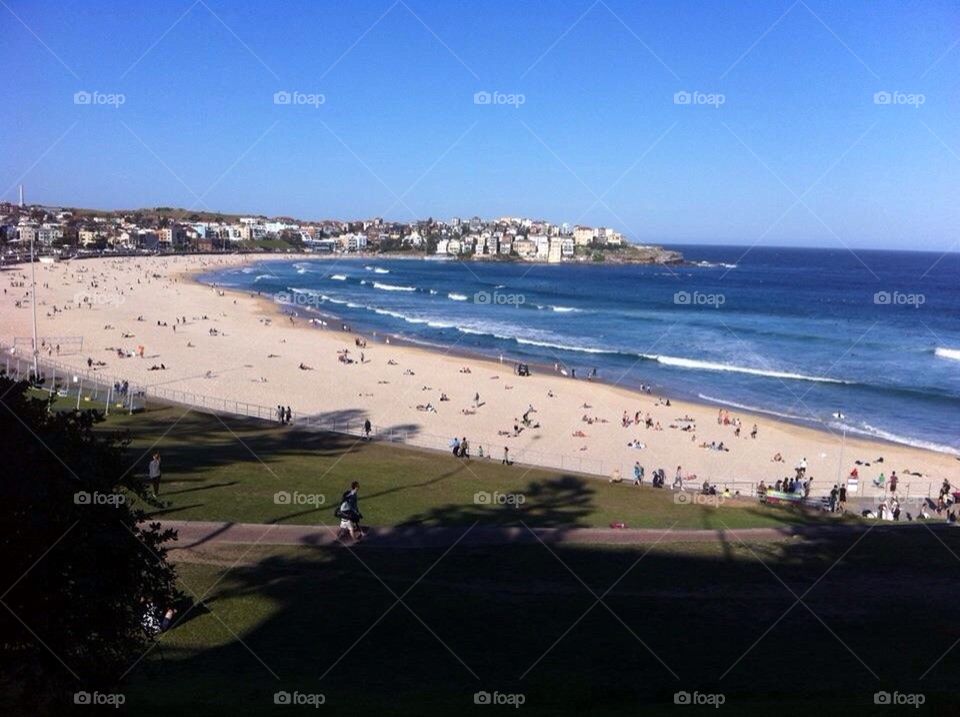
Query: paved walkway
[{"x": 193, "y": 534}]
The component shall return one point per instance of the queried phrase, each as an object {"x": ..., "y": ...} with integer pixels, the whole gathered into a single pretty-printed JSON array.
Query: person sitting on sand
[
  {"x": 616, "y": 477},
  {"x": 304, "y": 367},
  {"x": 777, "y": 458}
]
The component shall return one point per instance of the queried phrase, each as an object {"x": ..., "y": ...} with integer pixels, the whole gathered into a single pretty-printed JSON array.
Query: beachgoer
[{"x": 154, "y": 472}]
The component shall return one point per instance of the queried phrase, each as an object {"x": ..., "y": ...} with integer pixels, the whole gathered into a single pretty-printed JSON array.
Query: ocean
[{"x": 867, "y": 343}]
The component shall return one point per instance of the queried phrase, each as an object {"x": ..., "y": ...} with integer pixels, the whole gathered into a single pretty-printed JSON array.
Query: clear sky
[{"x": 783, "y": 140}]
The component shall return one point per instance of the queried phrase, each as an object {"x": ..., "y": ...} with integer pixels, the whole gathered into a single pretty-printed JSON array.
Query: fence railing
[
  {"x": 89, "y": 388},
  {"x": 94, "y": 388}
]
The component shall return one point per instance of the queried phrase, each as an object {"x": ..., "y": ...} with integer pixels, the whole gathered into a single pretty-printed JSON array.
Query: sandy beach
[{"x": 240, "y": 347}]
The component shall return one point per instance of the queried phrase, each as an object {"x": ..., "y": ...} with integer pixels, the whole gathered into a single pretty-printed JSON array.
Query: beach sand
[{"x": 241, "y": 348}]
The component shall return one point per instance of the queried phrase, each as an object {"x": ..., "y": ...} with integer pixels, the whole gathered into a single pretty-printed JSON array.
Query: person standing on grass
[
  {"x": 154, "y": 472},
  {"x": 366, "y": 429},
  {"x": 506, "y": 456},
  {"x": 637, "y": 473}
]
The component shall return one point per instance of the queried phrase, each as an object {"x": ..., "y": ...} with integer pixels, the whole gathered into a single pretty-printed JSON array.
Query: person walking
[
  {"x": 154, "y": 472},
  {"x": 506, "y": 456},
  {"x": 349, "y": 512},
  {"x": 288, "y": 416},
  {"x": 637, "y": 473},
  {"x": 366, "y": 429}
]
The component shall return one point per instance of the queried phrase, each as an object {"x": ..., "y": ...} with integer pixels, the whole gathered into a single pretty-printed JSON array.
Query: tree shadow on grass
[{"x": 519, "y": 617}]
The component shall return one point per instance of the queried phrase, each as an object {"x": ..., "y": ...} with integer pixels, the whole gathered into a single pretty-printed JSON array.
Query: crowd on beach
[{"x": 648, "y": 426}]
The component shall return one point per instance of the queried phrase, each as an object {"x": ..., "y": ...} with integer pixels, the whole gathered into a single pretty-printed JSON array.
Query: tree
[{"x": 79, "y": 567}]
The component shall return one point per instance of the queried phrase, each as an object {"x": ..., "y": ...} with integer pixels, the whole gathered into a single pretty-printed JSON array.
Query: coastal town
[{"x": 69, "y": 231}]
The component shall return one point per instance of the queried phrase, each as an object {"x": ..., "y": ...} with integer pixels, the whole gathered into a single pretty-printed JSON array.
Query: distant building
[
  {"x": 583, "y": 236},
  {"x": 525, "y": 248}
]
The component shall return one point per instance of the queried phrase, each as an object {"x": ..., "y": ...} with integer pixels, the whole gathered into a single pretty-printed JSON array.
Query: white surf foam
[
  {"x": 952, "y": 354},
  {"x": 679, "y": 362},
  {"x": 392, "y": 287}
]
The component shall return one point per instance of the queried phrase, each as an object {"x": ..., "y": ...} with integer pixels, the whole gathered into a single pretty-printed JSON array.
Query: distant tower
[{"x": 21, "y": 196}]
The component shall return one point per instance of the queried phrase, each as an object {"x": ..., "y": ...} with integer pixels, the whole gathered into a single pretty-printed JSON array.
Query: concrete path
[{"x": 193, "y": 534}]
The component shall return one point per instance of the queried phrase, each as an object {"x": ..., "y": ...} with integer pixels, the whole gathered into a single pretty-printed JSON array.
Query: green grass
[
  {"x": 681, "y": 617},
  {"x": 232, "y": 469}
]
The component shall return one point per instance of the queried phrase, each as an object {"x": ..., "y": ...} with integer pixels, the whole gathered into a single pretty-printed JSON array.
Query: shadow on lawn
[
  {"x": 419, "y": 631},
  {"x": 193, "y": 442}
]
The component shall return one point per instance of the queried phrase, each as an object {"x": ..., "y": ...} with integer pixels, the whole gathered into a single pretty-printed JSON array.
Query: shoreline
[
  {"x": 232, "y": 346},
  {"x": 817, "y": 425}
]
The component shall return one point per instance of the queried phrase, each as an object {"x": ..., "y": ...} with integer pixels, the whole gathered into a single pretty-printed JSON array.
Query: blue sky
[{"x": 798, "y": 153}]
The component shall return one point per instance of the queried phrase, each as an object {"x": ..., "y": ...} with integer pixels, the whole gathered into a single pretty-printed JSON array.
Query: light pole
[{"x": 33, "y": 304}]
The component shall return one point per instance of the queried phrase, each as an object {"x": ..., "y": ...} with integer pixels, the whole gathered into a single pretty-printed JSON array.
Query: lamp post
[{"x": 33, "y": 304}]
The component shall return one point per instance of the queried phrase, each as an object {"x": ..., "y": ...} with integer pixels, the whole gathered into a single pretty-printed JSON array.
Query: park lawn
[
  {"x": 230, "y": 469},
  {"x": 709, "y": 617}
]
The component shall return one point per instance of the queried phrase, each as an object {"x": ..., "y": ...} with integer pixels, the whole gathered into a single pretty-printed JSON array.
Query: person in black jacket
[{"x": 349, "y": 513}]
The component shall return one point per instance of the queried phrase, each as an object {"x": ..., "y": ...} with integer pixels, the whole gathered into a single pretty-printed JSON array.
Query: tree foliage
[{"x": 80, "y": 566}]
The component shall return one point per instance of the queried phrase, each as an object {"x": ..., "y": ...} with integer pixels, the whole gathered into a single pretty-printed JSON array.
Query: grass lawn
[
  {"x": 234, "y": 469},
  {"x": 707, "y": 618}
]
